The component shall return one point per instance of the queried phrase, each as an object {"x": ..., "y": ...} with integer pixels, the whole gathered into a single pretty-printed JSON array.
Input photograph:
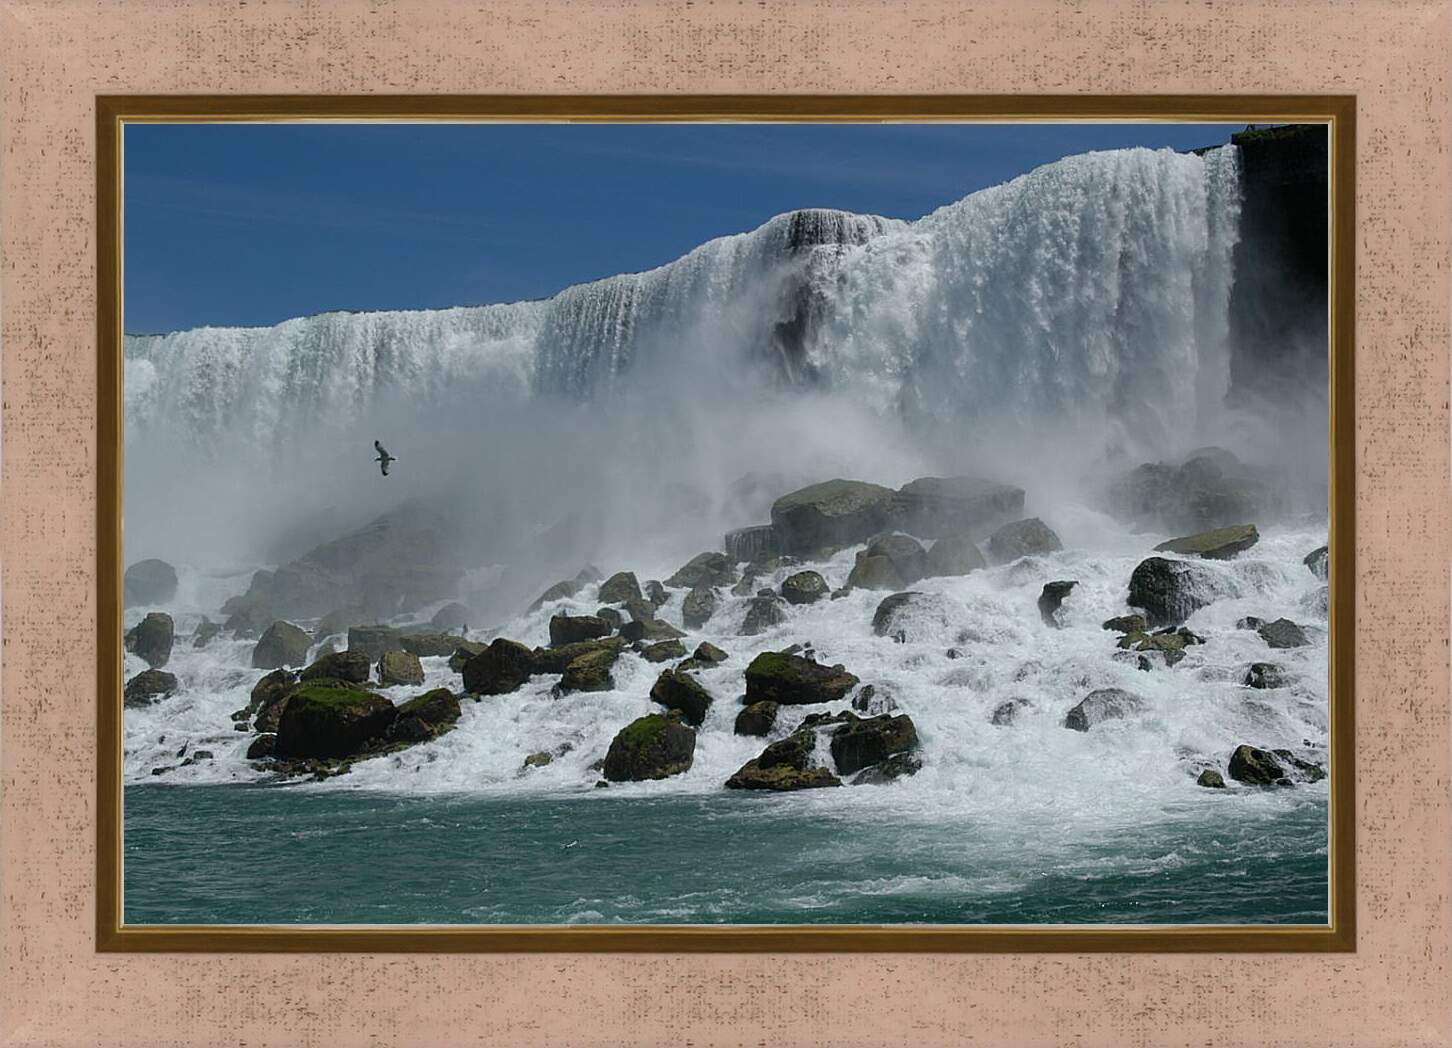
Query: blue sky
[{"x": 231, "y": 224}]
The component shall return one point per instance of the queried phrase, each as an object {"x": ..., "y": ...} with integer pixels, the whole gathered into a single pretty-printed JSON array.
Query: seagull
[{"x": 384, "y": 458}]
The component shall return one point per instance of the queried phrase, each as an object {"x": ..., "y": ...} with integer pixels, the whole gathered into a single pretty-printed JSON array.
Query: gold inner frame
[{"x": 1338, "y": 935}]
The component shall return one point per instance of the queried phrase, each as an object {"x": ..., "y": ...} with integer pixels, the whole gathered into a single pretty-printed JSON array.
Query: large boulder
[
  {"x": 1283, "y": 633},
  {"x": 374, "y": 640},
  {"x": 498, "y": 669},
  {"x": 268, "y": 698},
  {"x": 147, "y": 687},
  {"x": 1170, "y": 591},
  {"x": 860, "y": 743},
  {"x": 793, "y": 680},
  {"x": 429, "y": 644},
  {"x": 324, "y": 720},
  {"x": 426, "y": 717},
  {"x": 1103, "y": 705},
  {"x": 1211, "y": 488},
  {"x": 450, "y": 617},
  {"x": 698, "y": 607},
  {"x": 399, "y": 667},
  {"x": 915, "y": 616},
  {"x": 1255, "y": 767},
  {"x": 830, "y": 515},
  {"x": 805, "y": 587},
  {"x": 676, "y": 690},
  {"x": 757, "y": 542},
  {"x": 151, "y": 639},
  {"x": 663, "y": 651},
  {"x": 1218, "y": 544},
  {"x": 784, "y": 765},
  {"x": 650, "y": 630},
  {"x": 934, "y": 507},
  {"x": 1050, "y": 599},
  {"x": 889, "y": 562},
  {"x": 148, "y": 582},
  {"x": 282, "y": 645},
  {"x": 762, "y": 613},
  {"x": 620, "y": 588},
  {"x": 705, "y": 657},
  {"x": 571, "y": 629},
  {"x": 589, "y": 672},
  {"x": 1318, "y": 562},
  {"x": 757, "y": 719},
  {"x": 352, "y": 666},
  {"x": 1030, "y": 537},
  {"x": 556, "y": 660},
  {"x": 464, "y": 650},
  {"x": 704, "y": 569},
  {"x": 953, "y": 555},
  {"x": 655, "y": 746}
]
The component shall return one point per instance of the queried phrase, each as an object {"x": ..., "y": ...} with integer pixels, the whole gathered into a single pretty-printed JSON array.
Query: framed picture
[{"x": 751, "y": 523}]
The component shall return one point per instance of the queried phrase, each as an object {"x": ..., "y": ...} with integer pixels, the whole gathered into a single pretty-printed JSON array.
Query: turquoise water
[{"x": 276, "y": 854}]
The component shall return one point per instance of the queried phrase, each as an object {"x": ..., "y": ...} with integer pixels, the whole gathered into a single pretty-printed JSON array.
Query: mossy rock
[
  {"x": 330, "y": 720},
  {"x": 655, "y": 746},
  {"x": 399, "y": 667},
  {"x": 283, "y": 644},
  {"x": 663, "y": 651},
  {"x": 340, "y": 665},
  {"x": 571, "y": 629},
  {"x": 499, "y": 669},
  {"x": 676, "y": 690},
  {"x": 804, "y": 587},
  {"x": 1217, "y": 544},
  {"x": 1255, "y": 767},
  {"x": 793, "y": 680},
  {"x": 426, "y": 717},
  {"x": 147, "y": 687},
  {"x": 757, "y": 719},
  {"x": 151, "y": 639},
  {"x": 620, "y": 588},
  {"x": 428, "y": 644},
  {"x": 556, "y": 660},
  {"x": 464, "y": 650},
  {"x": 780, "y": 778},
  {"x": 590, "y": 672},
  {"x": 859, "y": 744}
]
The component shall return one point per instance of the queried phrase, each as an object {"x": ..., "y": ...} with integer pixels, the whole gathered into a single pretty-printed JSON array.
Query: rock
[
  {"x": 649, "y": 630},
  {"x": 1301, "y": 770},
  {"x": 1219, "y": 544},
  {"x": 620, "y": 588},
  {"x": 1022, "y": 538},
  {"x": 899, "y": 765},
  {"x": 351, "y": 666},
  {"x": 655, "y": 746},
  {"x": 1250, "y": 622},
  {"x": 205, "y": 633},
  {"x": 757, "y": 718},
  {"x": 1210, "y": 489},
  {"x": 1127, "y": 624},
  {"x": 664, "y": 651},
  {"x": 1266, "y": 675},
  {"x": 889, "y": 562},
  {"x": 873, "y": 700},
  {"x": 559, "y": 591},
  {"x": 500, "y": 668},
  {"x": 282, "y": 645},
  {"x": 571, "y": 629},
  {"x": 610, "y": 616},
  {"x": 805, "y": 587},
  {"x": 1005, "y": 713},
  {"x": 708, "y": 652},
  {"x": 262, "y": 746},
  {"x": 449, "y": 618},
  {"x": 147, "y": 687},
  {"x": 784, "y": 766},
  {"x": 1170, "y": 591},
  {"x": 1211, "y": 780},
  {"x": 1318, "y": 562},
  {"x": 795, "y": 681},
  {"x": 429, "y": 644},
  {"x": 680, "y": 691},
  {"x": 464, "y": 650},
  {"x": 861, "y": 743},
  {"x": 1049, "y": 600},
  {"x": 268, "y": 695},
  {"x": 1102, "y": 705},
  {"x": 322, "y": 720},
  {"x": 1282, "y": 633},
  {"x": 935, "y": 507},
  {"x": 762, "y": 613},
  {"x": 151, "y": 639},
  {"x": 656, "y": 593},
  {"x": 148, "y": 582},
  {"x": 753, "y": 543},
  {"x": 557, "y": 660},
  {"x": 1255, "y": 767},
  {"x": 830, "y": 515},
  {"x": 698, "y": 607},
  {"x": 915, "y": 616},
  {"x": 953, "y": 555},
  {"x": 705, "y": 569},
  {"x": 589, "y": 672},
  {"x": 541, "y": 759},
  {"x": 373, "y": 641},
  {"x": 873, "y": 573},
  {"x": 426, "y": 717},
  {"x": 399, "y": 667}
]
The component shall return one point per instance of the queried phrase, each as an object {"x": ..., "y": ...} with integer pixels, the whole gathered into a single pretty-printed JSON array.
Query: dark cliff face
[{"x": 1278, "y": 326}]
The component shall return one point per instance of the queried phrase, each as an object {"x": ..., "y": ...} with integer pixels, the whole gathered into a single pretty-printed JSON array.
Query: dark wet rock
[
  {"x": 1282, "y": 633},
  {"x": 611, "y": 616},
  {"x": 705, "y": 569},
  {"x": 1318, "y": 562},
  {"x": 898, "y": 766},
  {"x": 426, "y": 717},
  {"x": 399, "y": 667},
  {"x": 262, "y": 746},
  {"x": 500, "y": 668},
  {"x": 151, "y": 639},
  {"x": 1128, "y": 624},
  {"x": 830, "y": 515},
  {"x": 1210, "y": 489},
  {"x": 351, "y": 666},
  {"x": 655, "y": 746},
  {"x": 805, "y": 587},
  {"x": 590, "y": 671},
  {"x": 429, "y": 644},
  {"x": 953, "y": 653},
  {"x": 1006, "y": 713},
  {"x": 750, "y": 544},
  {"x": 873, "y": 700},
  {"x": 795, "y": 681},
  {"x": 861, "y": 743},
  {"x": 1266, "y": 675},
  {"x": 1211, "y": 779},
  {"x": 1301, "y": 770},
  {"x": 680, "y": 691},
  {"x": 1249, "y": 622},
  {"x": 934, "y": 507},
  {"x": 954, "y": 555},
  {"x": 663, "y": 651},
  {"x": 571, "y": 629},
  {"x": 757, "y": 719},
  {"x": 1218, "y": 544},
  {"x": 649, "y": 630},
  {"x": 1255, "y": 767},
  {"x": 762, "y": 613},
  {"x": 148, "y": 582},
  {"x": 1102, "y": 705},
  {"x": 1170, "y": 591},
  {"x": 698, "y": 607},
  {"x": 374, "y": 640},
  {"x": 449, "y": 618},
  {"x": 1051, "y": 598},
  {"x": 559, "y": 591},
  {"x": 464, "y": 650},
  {"x": 267, "y": 698},
  {"x": 327, "y": 647},
  {"x": 147, "y": 687},
  {"x": 282, "y": 645},
  {"x": 784, "y": 765},
  {"x": 706, "y": 656},
  {"x": 890, "y": 562},
  {"x": 555, "y": 660},
  {"x": 1022, "y": 538},
  {"x": 620, "y": 588},
  {"x": 323, "y": 720},
  {"x": 205, "y": 633}
]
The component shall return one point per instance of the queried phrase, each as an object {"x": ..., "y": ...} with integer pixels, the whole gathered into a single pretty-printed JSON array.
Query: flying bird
[{"x": 384, "y": 458}]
